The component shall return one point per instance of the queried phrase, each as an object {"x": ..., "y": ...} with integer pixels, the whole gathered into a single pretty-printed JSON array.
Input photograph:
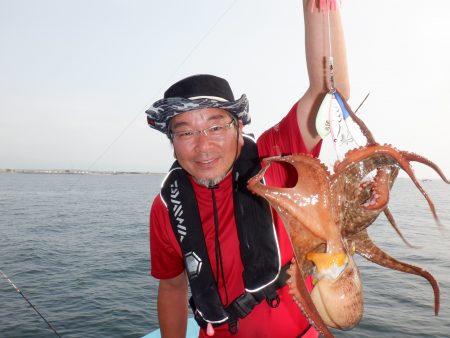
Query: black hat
[{"x": 196, "y": 92}]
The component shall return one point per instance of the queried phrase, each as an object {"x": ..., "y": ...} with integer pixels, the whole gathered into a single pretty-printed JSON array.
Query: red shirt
[{"x": 167, "y": 260}]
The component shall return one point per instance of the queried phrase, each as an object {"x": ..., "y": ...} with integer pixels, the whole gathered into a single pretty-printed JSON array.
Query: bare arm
[
  {"x": 173, "y": 307},
  {"x": 317, "y": 53}
]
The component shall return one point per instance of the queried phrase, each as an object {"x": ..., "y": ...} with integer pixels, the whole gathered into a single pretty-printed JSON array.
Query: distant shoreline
[
  {"x": 106, "y": 172},
  {"x": 74, "y": 172}
]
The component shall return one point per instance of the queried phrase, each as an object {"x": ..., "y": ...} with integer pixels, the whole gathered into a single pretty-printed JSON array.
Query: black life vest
[{"x": 257, "y": 236}]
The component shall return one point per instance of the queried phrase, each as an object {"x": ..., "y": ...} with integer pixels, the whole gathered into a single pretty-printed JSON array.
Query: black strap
[
  {"x": 258, "y": 243},
  {"x": 283, "y": 277},
  {"x": 185, "y": 219},
  {"x": 257, "y": 239},
  {"x": 244, "y": 304}
]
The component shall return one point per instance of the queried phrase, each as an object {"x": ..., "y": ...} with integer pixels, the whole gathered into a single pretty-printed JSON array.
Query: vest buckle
[
  {"x": 273, "y": 301},
  {"x": 233, "y": 326},
  {"x": 242, "y": 306}
]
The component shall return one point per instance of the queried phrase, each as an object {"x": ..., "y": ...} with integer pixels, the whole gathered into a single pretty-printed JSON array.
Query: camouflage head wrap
[{"x": 196, "y": 92}]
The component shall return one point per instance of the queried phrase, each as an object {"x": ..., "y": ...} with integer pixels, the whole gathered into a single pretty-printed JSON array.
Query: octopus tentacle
[
  {"x": 418, "y": 158},
  {"x": 385, "y": 155},
  {"x": 392, "y": 221},
  {"x": 380, "y": 190},
  {"x": 324, "y": 214},
  {"x": 362, "y": 126},
  {"x": 366, "y": 159},
  {"x": 311, "y": 194},
  {"x": 357, "y": 196},
  {"x": 365, "y": 247},
  {"x": 312, "y": 222},
  {"x": 298, "y": 290},
  {"x": 382, "y": 185}
]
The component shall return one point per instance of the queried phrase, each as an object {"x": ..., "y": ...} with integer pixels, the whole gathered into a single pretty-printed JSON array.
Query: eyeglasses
[{"x": 215, "y": 132}]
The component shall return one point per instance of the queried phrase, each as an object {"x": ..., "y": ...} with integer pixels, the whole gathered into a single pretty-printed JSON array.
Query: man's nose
[{"x": 203, "y": 141}]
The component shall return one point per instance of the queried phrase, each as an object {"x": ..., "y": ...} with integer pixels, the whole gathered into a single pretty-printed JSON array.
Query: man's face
[{"x": 208, "y": 158}]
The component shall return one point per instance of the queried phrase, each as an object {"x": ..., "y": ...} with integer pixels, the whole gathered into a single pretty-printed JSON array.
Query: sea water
[{"x": 77, "y": 246}]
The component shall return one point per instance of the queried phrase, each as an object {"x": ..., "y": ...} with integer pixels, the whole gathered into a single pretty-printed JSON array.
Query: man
[{"x": 205, "y": 227}]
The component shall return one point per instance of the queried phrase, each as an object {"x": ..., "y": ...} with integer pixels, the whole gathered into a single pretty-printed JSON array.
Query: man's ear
[
  {"x": 241, "y": 133},
  {"x": 174, "y": 153}
]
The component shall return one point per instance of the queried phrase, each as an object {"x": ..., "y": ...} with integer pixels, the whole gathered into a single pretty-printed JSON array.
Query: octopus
[{"x": 327, "y": 217}]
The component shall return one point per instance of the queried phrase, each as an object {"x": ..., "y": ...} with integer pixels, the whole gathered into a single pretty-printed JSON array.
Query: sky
[{"x": 77, "y": 75}]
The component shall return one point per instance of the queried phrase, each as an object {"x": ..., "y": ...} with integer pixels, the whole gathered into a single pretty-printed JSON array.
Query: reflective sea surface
[{"x": 77, "y": 246}]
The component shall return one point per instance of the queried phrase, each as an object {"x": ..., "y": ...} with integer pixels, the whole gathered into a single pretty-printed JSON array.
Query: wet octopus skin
[{"x": 331, "y": 213}]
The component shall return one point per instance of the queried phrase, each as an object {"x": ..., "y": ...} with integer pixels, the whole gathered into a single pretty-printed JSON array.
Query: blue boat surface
[{"x": 191, "y": 332}]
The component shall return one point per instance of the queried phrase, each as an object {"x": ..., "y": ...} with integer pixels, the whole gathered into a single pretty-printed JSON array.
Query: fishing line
[
  {"x": 330, "y": 57},
  {"x": 341, "y": 136},
  {"x": 180, "y": 65},
  {"x": 28, "y": 301},
  {"x": 364, "y": 100},
  {"x": 193, "y": 49}
]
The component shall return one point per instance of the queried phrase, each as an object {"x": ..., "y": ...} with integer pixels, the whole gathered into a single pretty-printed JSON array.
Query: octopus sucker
[
  {"x": 380, "y": 190},
  {"x": 376, "y": 156},
  {"x": 326, "y": 217}
]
